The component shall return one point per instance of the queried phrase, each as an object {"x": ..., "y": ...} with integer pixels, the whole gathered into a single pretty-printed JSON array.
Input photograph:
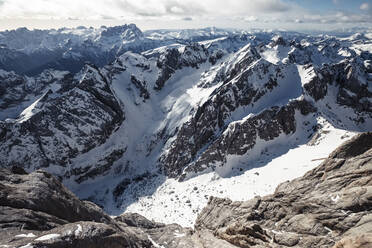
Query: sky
[{"x": 176, "y": 14}]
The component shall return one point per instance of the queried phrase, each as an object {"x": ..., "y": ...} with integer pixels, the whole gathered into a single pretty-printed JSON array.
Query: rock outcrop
[
  {"x": 172, "y": 60},
  {"x": 330, "y": 205},
  {"x": 36, "y": 210}
]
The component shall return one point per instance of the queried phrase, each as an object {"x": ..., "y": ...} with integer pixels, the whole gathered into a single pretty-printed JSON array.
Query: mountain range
[{"x": 157, "y": 122}]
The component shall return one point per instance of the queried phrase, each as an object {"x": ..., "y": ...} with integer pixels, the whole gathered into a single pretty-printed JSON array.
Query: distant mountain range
[{"x": 29, "y": 52}]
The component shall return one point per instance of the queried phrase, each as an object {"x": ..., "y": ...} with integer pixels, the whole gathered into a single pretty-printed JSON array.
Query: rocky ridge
[
  {"x": 249, "y": 87},
  {"x": 51, "y": 125}
]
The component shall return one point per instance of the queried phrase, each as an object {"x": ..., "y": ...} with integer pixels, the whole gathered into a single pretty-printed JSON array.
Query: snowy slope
[
  {"x": 164, "y": 126},
  {"x": 258, "y": 171},
  {"x": 180, "y": 202}
]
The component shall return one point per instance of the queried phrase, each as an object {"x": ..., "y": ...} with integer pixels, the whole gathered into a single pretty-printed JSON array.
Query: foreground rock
[
  {"x": 330, "y": 206},
  {"x": 330, "y": 203},
  {"x": 36, "y": 210}
]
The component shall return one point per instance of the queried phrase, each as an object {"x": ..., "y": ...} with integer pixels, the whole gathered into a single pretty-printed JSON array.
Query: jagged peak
[
  {"x": 92, "y": 77},
  {"x": 278, "y": 40},
  {"x": 248, "y": 51},
  {"x": 127, "y": 31}
]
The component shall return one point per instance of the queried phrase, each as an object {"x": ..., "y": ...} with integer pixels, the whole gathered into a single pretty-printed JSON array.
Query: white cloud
[
  {"x": 251, "y": 19},
  {"x": 338, "y": 17},
  {"x": 187, "y": 19},
  {"x": 364, "y": 6},
  {"x": 119, "y": 8},
  {"x": 202, "y": 11}
]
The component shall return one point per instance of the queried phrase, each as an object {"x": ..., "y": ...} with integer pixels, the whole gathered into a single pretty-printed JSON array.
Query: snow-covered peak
[
  {"x": 242, "y": 60},
  {"x": 278, "y": 40},
  {"x": 357, "y": 36}
]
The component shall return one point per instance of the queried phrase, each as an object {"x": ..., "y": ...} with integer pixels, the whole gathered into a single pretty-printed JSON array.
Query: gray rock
[
  {"x": 360, "y": 241},
  {"x": 85, "y": 234},
  {"x": 241, "y": 137},
  {"x": 172, "y": 60},
  {"x": 329, "y": 203},
  {"x": 40, "y": 208},
  {"x": 39, "y": 193},
  {"x": 87, "y": 114},
  {"x": 136, "y": 220}
]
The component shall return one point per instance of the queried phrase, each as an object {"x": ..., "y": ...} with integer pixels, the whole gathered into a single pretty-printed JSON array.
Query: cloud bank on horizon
[{"x": 268, "y": 12}]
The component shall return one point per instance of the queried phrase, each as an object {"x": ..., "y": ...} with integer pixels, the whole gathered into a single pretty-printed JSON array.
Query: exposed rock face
[
  {"x": 352, "y": 91},
  {"x": 360, "y": 241},
  {"x": 252, "y": 85},
  {"x": 136, "y": 220},
  {"x": 17, "y": 91},
  {"x": 40, "y": 194},
  {"x": 248, "y": 83},
  {"x": 58, "y": 127},
  {"x": 240, "y": 137},
  {"x": 173, "y": 60},
  {"x": 329, "y": 203},
  {"x": 37, "y": 204},
  {"x": 91, "y": 235},
  {"x": 141, "y": 86}
]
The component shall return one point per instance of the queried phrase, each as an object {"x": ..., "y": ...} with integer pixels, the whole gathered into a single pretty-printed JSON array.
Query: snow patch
[
  {"x": 79, "y": 230},
  {"x": 154, "y": 243},
  {"x": 335, "y": 199},
  {"x": 27, "y": 246},
  {"x": 177, "y": 234},
  {"x": 306, "y": 74},
  {"x": 276, "y": 54},
  {"x": 48, "y": 237},
  {"x": 28, "y": 235},
  {"x": 30, "y": 111}
]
